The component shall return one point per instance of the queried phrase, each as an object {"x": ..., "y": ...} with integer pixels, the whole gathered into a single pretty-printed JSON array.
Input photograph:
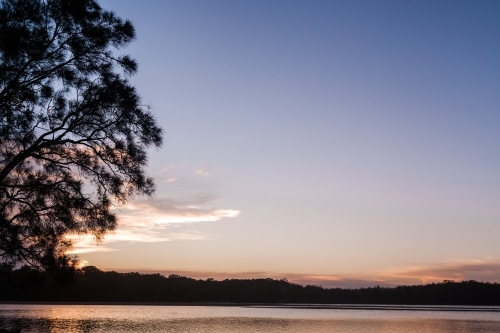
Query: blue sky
[{"x": 339, "y": 142}]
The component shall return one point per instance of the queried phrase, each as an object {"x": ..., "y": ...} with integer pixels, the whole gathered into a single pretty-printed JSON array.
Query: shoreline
[{"x": 375, "y": 307}]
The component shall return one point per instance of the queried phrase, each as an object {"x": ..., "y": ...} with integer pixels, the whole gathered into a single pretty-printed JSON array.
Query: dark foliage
[
  {"x": 93, "y": 285},
  {"x": 73, "y": 132}
]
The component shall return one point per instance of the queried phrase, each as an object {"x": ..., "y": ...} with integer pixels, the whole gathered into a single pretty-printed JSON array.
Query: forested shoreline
[{"x": 93, "y": 285}]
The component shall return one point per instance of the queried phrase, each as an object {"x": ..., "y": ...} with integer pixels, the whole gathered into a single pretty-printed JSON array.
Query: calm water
[{"x": 121, "y": 319}]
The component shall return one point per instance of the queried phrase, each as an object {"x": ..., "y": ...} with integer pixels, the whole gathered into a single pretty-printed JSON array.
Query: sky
[{"x": 335, "y": 143}]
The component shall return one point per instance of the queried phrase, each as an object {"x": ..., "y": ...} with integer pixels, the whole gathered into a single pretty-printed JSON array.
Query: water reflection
[{"x": 124, "y": 319}]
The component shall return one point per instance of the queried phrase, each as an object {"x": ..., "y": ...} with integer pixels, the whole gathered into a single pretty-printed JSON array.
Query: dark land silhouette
[{"x": 93, "y": 285}]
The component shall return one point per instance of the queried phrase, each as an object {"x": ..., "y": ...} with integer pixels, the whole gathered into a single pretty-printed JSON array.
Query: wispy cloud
[
  {"x": 148, "y": 221},
  {"x": 87, "y": 243},
  {"x": 459, "y": 270},
  {"x": 202, "y": 172},
  {"x": 175, "y": 210},
  {"x": 172, "y": 167},
  {"x": 326, "y": 281},
  {"x": 185, "y": 200},
  {"x": 206, "y": 169},
  {"x": 462, "y": 270}
]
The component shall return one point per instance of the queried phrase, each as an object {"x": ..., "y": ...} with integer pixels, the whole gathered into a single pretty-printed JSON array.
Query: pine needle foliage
[{"x": 73, "y": 132}]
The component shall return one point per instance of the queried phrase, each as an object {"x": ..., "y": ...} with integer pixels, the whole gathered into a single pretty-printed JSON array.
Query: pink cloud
[
  {"x": 149, "y": 221},
  {"x": 479, "y": 270}
]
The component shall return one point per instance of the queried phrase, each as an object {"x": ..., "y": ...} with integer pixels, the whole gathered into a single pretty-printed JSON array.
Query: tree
[{"x": 73, "y": 132}]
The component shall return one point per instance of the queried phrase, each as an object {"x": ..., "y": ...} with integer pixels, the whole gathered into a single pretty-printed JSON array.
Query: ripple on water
[{"x": 192, "y": 319}]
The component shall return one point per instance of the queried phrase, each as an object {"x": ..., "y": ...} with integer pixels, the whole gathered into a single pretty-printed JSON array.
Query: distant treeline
[{"x": 93, "y": 285}]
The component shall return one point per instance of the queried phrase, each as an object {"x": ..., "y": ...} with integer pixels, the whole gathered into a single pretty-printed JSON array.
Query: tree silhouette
[{"x": 73, "y": 132}]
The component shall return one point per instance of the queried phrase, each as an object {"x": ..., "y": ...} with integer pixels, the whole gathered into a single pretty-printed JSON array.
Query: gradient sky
[{"x": 340, "y": 142}]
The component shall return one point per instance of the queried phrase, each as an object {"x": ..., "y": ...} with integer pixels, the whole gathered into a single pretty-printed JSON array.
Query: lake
[{"x": 243, "y": 319}]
